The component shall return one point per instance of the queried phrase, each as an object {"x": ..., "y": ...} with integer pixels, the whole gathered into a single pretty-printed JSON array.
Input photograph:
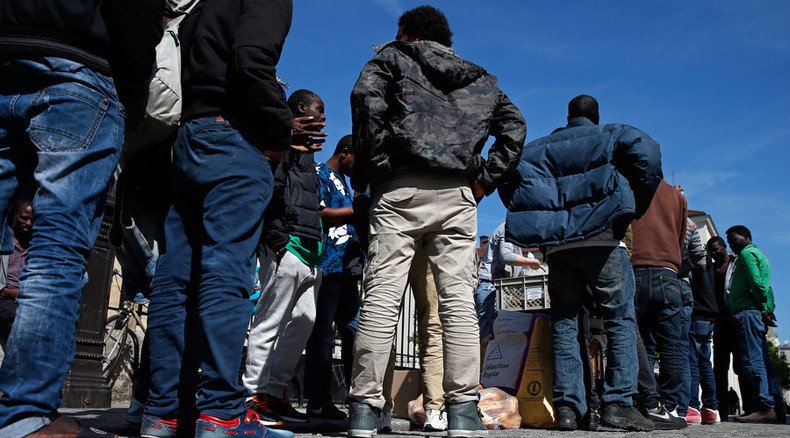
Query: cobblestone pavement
[{"x": 114, "y": 420}]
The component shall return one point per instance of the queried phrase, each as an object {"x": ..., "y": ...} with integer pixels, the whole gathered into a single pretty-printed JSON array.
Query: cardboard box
[{"x": 405, "y": 388}]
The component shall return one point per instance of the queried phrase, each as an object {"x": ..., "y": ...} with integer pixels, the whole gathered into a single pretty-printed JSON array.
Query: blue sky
[{"x": 710, "y": 80}]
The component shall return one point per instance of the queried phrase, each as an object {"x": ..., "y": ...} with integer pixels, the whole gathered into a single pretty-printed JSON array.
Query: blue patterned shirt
[{"x": 342, "y": 250}]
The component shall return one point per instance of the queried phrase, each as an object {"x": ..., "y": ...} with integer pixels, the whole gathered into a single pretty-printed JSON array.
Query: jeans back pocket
[{"x": 67, "y": 117}]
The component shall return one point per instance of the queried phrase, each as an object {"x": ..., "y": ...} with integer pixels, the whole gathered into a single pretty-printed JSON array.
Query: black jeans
[
  {"x": 7, "y": 315},
  {"x": 590, "y": 385},
  {"x": 646, "y": 379},
  {"x": 338, "y": 302},
  {"x": 724, "y": 345}
]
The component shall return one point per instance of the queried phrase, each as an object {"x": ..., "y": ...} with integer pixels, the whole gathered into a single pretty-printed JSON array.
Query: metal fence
[
  {"x": 517, "y": 293},
  {"x": 406, "y": 346},
  {"x": 407, "y": 353}
]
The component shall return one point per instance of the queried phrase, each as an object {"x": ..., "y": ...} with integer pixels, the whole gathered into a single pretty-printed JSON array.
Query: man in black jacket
[
  {"x": 234, "y": 118},
  {"x": 290, "y": 257},
  {"x": 63, "y": 66},
  {"x": 421, "y": 116},
  {"x": 703, "y": 319}
]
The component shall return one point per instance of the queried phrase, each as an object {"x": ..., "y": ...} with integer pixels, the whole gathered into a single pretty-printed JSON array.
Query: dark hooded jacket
[
  {"x": 419, "y": 107},
  {"x": 294, "y": 208},
  {"x": 109, "y": 36},
  {"x": 704, "y": 290},
  {"x": 581, "y": 180}
]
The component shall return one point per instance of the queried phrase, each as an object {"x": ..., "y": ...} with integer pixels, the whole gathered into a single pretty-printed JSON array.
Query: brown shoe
[{"x": 768, "y": 416}]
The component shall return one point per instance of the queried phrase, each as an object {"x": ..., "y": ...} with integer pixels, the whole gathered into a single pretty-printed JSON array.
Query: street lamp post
[{"x": 85, "y": 386}]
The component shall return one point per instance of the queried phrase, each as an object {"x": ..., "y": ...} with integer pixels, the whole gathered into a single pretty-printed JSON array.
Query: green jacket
[{"x": 751, "y": 282}]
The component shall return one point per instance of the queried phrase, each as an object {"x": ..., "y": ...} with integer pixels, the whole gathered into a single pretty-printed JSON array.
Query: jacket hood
[{"x": 440, "y": 64}]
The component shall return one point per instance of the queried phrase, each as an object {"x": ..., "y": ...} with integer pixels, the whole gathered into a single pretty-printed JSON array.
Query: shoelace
[{"x": 251, "y": 416}]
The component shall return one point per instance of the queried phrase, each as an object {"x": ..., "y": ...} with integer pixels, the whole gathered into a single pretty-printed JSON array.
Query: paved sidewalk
[{"x": 114, "y": 420}]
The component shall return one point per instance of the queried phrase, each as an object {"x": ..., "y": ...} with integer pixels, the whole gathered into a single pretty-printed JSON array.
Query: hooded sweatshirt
[
  {"x": 229, "y": 54},
  {"x": 419, "y": 107}
]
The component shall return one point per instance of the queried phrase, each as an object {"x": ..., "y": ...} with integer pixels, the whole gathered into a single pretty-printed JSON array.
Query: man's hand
[
  {"x": 9, "y": 292},
  {"x": 307, "y": 149},
  {"x": 306, "y": 135},
  {"x": 769, "y": 319},
  {"x": 273, "y": 156},
  {"x": 478, "y": 191},
  {"x": 535, "y": 264}
]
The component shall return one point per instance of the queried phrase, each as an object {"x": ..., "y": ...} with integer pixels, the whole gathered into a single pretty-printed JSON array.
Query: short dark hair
[
  {"x": 583, "y": 106},
  {"x": 427, "y": 23},
  {"x": 740, "y": 230},
  {"x": 714, "y": 240},
  {"x": 300, "y": 96},
  {"x": 346, "y": 142}
]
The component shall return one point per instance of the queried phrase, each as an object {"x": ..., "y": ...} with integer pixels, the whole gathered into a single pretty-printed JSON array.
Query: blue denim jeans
[
  {"x": 687, "y": 297},
  {"x": 659, "y": 305},
  {"x": 221, "y": 187},
  {"x": 773, "y": 386},
  {"x": 607, "y": 271},
  {"x": 752, "y": 352},
  {"x": 138, "y": 256},
  {"x": 701, "y": 369},
  {"x": 338, "y": 302},
  {"x": 485, "y": 304},
  {"x": 61, "y": 124}
]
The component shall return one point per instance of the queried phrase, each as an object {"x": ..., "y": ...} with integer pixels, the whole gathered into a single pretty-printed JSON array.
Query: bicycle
[{"x": 121, "y": 342}]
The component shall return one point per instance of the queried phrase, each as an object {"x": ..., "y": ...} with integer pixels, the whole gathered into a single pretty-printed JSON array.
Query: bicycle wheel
[
  {"x": 134, "y": 353},
  {"x": 116, "y": 345}
]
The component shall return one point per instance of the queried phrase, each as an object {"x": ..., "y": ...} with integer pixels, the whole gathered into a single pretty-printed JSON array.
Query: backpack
[{"x": 163, "y": 107}]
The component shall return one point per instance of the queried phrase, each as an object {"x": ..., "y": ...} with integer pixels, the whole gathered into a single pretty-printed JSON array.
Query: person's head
[
  {"x": 738, "y": 237},
  {"x": 307, "y": 103},
  {"x": 717, "y": 249},
  {"x": 424, "y": 23},
  {"x": 344, "y": 154},
  {"x": 583, "y": 106},
  {"x": 23, "y": 219}
]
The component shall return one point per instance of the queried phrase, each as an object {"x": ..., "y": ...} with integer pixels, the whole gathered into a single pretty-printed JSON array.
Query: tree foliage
[{"x": 781, "y": 366}]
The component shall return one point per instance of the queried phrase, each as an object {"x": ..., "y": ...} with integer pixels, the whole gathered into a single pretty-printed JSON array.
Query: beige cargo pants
[{"x": 437, "y": 215}]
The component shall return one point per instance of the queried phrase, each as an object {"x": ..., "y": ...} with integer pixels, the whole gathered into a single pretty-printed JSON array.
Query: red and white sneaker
[
  {"x": 693, "y": 416},
  {"x": 247, "y": 425},
  {"x": 710, "y": 416}
]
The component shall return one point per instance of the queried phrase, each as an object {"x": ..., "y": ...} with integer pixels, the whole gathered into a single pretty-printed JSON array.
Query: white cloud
[
  {"x": 392, "y": 7},
  {"x": 699, "y": 181}
]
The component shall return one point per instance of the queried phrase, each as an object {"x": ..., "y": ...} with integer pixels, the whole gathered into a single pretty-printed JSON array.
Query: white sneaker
[
  {"x": 674, "y": 414},
  {"x": 435, "y": 420}
]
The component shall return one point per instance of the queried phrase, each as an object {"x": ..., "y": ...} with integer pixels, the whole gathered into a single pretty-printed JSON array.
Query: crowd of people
[{"x": 245, "y": 190}]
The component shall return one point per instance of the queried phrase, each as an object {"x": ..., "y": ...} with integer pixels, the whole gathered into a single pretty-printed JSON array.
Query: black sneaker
[
  {"x": 591, "y": 420},
  {"x": 326, "y": 412},
  {"x": 566, "y": 418},
  {"x": 273, "y": 410},
  {"x": 626, "y": 418},
  {"x": 282, "y": 408},
  {"x": 464, "y": 420},
  {"x": 662, "y": 419},
  {"x": 363, "y": 420}
]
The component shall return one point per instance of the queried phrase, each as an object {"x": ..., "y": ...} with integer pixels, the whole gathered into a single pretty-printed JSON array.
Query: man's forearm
[{"x": 336, "y": 216}]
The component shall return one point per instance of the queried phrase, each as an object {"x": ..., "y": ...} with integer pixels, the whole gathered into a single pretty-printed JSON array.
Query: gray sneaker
[
  {"x": 464, "y": 420},
  {"x": 363, "y": 420}
]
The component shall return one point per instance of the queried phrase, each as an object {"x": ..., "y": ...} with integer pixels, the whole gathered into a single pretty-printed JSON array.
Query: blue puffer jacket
[{"x": 579, "y": 181}]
